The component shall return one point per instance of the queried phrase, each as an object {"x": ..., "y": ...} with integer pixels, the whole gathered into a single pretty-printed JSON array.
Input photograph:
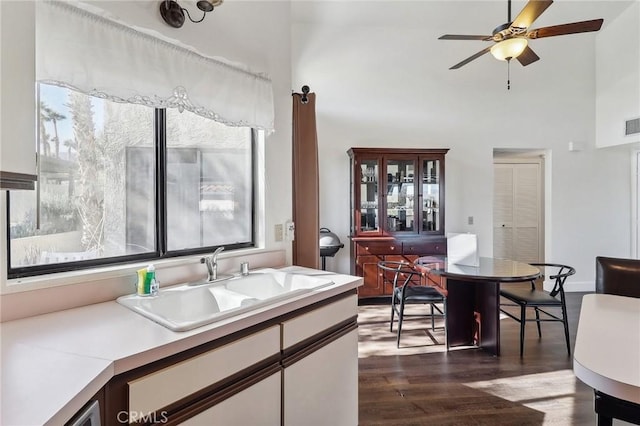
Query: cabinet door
[
  {"x": 18, "y": 102},
  {"x": 400, "y": 194},
  {"x": 367, "y": 267},
  {"x": 366, "y": 196},
  {"x": 322, "y": 388},
  {"x": 432, "y": 195},
  {"x": 258, "y": 405}
]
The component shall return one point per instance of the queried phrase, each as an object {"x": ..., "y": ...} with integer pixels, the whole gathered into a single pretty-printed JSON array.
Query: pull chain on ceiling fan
[{"x": 511, "y": 40}]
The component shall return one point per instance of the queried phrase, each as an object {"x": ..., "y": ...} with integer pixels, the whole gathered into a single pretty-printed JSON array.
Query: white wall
[
  {"x": 387, "y": 84},
  {"x": 617, "y": 82}
]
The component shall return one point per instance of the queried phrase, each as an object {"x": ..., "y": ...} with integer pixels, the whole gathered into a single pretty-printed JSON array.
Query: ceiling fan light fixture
[{"x": 509, "y": 49}]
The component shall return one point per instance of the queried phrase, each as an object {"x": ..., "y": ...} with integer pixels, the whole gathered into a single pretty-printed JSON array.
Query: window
[{"x": 121, "y": 182}]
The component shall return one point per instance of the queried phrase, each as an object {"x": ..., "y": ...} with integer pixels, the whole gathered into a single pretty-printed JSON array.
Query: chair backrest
[
  {"x": 557, "y": 272},
  {"x": 618, "y": 276},
  {"x": 399, "y": 269}
]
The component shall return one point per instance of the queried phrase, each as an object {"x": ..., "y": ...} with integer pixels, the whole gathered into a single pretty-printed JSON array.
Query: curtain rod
[{"x": 305, "y": 91}]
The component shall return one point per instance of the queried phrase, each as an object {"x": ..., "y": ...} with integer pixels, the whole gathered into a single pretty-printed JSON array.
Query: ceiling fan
[{"x": 511, "y": 39}]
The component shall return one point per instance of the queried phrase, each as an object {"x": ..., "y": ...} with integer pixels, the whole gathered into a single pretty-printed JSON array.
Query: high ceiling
[
  {"x": 421, "y": 22},
  {"x": 451, "y": 16}
]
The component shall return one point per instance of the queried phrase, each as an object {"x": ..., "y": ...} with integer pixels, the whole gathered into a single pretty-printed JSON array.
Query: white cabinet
[
  {"x": 320, "y": 378},
  {"x": 297, "y": 369},
  {"x": 17, "y": 95},
  {"x": 322, "y": 388}
]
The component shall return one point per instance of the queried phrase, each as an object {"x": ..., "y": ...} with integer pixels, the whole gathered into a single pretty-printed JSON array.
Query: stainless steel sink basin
[{"x": 187, "y": 306}]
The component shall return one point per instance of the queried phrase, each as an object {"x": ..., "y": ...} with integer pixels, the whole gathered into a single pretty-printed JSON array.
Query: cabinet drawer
[
  {"x": 378, "y": 247},
  {"x": 163, "y": 387},
  {"x": 305, "y": 326},
  {"x": 421, "y": 248},
  {"x": 258, "y": 405}
]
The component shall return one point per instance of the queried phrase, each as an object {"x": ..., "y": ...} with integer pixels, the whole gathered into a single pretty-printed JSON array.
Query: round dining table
[
  {"x": 607, "y": 355},
  {"x": 473, "y": 296}
]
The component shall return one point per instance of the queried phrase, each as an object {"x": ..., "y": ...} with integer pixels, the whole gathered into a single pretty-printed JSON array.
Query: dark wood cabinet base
[{"x": 473, "y": 314}]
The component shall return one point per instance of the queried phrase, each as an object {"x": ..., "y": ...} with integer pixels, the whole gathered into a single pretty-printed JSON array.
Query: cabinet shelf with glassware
[{"x": 397, "y": 209}]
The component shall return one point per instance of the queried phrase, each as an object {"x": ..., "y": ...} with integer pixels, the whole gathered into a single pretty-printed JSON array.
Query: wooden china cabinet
[{"x": 397, "y": 210}]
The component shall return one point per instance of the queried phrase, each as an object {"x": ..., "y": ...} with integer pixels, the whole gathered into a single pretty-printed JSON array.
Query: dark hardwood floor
[{"x": 421, "y": 384}]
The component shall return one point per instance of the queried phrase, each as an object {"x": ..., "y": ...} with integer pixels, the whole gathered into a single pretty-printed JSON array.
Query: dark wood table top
[{"x": 489, "y": 269}]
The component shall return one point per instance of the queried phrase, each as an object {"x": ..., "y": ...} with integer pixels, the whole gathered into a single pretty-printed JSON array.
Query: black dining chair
[
  {"x": 540, "y": 300},
  {"x": 407, "y": 290},
  {"x": 618, "y": 276}
]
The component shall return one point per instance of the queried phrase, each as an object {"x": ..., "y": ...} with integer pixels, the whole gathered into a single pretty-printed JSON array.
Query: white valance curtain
[{"x": 101, "y": 57}]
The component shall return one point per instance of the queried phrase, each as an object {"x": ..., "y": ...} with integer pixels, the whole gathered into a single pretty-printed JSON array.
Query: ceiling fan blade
[
  {"x": 527, "y": 56},
  {"x": 470, "y": 58},
  {"x": 530, "y": 13},
  {"x": 572, "y": 28},
  {"x": 464, "y": 37}
]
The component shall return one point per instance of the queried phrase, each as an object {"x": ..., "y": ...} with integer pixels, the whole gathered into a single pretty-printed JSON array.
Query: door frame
[{"x": 635, "y": 204}]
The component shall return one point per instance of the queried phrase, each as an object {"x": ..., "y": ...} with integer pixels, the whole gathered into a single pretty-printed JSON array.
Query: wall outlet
[
  {"x": 470, "y": 220},
  {"x": 279, "y": 232},
  {"x": 290, "y": 231}
]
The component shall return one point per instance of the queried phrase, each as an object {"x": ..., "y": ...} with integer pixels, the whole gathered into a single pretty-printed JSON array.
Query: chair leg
[
  {"x": 400, "y": 316},
  {"x": 565, "y": 322},
  {"x": 523, "y": 321},
  {"x": 446, "y": 327},
  {"x": 393, "y": 310},
  {"x": 538, "y": 323},
  {"x": 433, "y": 322}
]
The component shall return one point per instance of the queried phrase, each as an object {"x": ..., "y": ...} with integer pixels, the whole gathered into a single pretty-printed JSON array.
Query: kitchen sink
[{"x": 187, "y": 306}]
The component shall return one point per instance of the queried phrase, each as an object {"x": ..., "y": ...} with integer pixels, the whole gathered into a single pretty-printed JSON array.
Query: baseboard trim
[{"x": 581, "y": 286}]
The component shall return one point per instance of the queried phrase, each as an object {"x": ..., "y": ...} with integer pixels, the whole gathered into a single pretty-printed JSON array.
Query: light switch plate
[{"x": 290, "y": 231}]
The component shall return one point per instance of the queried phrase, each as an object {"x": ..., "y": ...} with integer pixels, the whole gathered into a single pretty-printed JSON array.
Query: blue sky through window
[{"x": 56, "y": 98}]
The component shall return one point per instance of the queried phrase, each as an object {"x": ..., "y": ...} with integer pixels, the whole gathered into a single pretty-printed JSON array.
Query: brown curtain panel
[{"x": 306, "y": 197}]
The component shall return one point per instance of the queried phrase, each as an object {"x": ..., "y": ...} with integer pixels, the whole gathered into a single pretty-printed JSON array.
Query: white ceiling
[
  {"x": 452, "y": 16},
  {"x": 433, "y": 18}
]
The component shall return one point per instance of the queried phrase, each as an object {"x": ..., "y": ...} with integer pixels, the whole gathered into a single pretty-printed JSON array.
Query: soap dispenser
[{"x": 151, "y": 283}]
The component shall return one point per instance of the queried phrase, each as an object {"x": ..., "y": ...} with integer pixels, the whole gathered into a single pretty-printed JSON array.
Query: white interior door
[{"x": 517, "y": 212}]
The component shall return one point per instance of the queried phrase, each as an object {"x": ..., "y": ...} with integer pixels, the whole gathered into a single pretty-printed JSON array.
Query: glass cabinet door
[
  {"x": 369, "y": 214},
  {"x": 401, "y": 195},
  {"x": 431, "y": 195}
]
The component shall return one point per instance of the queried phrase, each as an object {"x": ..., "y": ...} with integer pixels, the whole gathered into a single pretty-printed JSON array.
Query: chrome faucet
[{"x": 212, "y": 264}]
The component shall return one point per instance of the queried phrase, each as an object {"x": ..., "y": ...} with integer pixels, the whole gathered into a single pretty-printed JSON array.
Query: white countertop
[
  {"x": 52, "y": 364},
  {"x": 607, "y": 352}
]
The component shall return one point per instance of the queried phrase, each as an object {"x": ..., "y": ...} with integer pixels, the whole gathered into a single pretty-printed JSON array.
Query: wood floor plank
[{"x": 421, "y": 384}]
